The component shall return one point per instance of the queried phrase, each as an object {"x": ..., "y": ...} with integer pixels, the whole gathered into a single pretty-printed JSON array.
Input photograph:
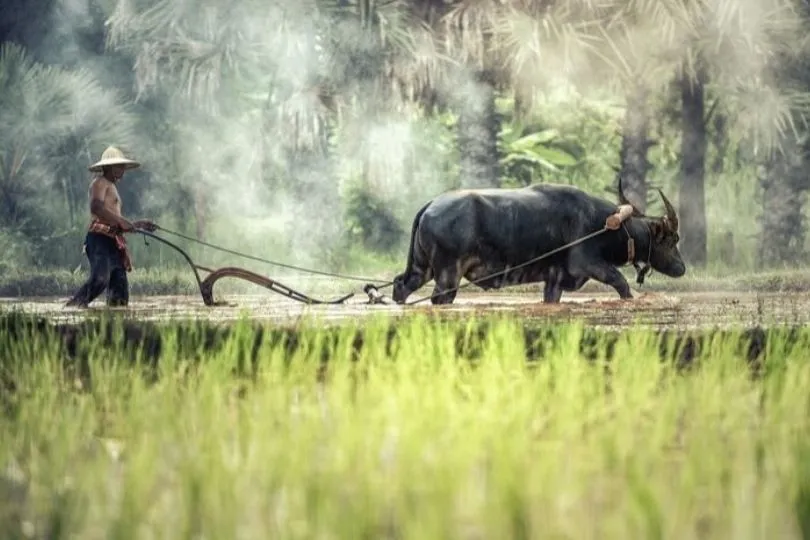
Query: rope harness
[
  {"x": 641, "y": 270},
  {"x": 271, "y": 262}
]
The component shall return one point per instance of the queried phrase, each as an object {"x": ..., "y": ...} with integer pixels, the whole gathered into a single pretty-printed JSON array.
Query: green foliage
[
  {"x": 579, "y": 134},
  {"x": 526, "y": 154},
  {"x": 58, "y": 122},
  {"x": 371, "y": 222},
  {"x": 16, "y": 249},
  {"x": 25, "y": 283},
  {"x": 419, "y": 428}
]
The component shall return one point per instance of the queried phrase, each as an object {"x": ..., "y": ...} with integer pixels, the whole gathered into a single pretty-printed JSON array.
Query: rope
[
  {"x": 267, "y": 261},
  {"x": 530, "y": 261}
]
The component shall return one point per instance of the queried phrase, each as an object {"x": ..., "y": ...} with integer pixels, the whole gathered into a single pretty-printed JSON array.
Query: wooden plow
[{"x": 206, "y": 285}]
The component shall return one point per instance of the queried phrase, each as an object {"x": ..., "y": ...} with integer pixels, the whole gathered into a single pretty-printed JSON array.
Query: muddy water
[{"x": 676, "y": 310}]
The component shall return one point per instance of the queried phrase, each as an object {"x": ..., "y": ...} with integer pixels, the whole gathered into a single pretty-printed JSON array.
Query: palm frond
[
  {"x": 766, "y": 116},
  {"x": 61, "y": 117},
  {"x": 557, "y": 43},
  {"x": 197, "y": 47},
  {"x": 36, "y": 99},
  {"x": 465, "y": 31}
]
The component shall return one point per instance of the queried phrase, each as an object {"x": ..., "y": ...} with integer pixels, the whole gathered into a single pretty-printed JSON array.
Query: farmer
[{"x": 104, "y": 244}]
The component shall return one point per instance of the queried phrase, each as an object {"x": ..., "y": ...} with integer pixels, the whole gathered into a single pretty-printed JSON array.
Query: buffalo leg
[
  {"x": 416, "y": 280},
  {"x": 559, "y": 279},
  {"x": 609, "y": 275},
  {"x": 446, "y": 278},
  {"x": 603, "y": 273},
  {"x": 552, "y": 291}
]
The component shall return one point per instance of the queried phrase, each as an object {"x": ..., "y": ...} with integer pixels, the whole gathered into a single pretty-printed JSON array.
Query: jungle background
[{"x": 310, "y": 132}]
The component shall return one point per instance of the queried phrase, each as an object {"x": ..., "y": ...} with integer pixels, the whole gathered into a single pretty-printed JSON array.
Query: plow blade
[{"x": 207, "y": 286}]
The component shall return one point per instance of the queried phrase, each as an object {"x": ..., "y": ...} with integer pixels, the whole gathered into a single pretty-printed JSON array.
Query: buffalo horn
[{"x": 672, "y": 217}]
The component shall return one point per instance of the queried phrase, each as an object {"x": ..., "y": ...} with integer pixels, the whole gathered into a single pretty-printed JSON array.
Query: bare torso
[{"x": 104, "y": 190}]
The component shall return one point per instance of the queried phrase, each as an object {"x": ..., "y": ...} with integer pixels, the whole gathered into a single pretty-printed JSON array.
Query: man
[{"x": 104, "y": 244}]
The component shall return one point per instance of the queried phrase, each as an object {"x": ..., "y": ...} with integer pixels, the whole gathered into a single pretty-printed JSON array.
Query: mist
[
  {"x": 269, "y": 114},
  {"x": 260, "y": 139}
]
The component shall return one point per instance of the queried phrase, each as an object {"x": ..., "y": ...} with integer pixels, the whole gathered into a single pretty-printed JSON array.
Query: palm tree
[
  {"x": 783, "y": 177},
  {"x": 784, "y": 182},
  {"x": 467, "y": 34},
  {"x": 724, "y": 45},
  {"x": 728, "y": 48},
  {"x": 473, "y": 38},
  {"x": 505, "y": 47},
  {"x": 630, "y": 72},
  {"x": 204, "y": 62},
  {"x": 324, "y": 63},
  {"x": 55, "y": 123}
]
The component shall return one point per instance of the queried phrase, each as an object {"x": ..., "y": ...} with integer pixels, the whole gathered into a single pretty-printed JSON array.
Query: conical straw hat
[{"x": 113, "y": 156}]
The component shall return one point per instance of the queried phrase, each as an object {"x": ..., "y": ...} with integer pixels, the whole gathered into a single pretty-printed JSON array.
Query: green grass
[
  {"x": 39, "y": 283},
  {"x": 427, "y": 429},
  {"x": 180, "y": 281}
]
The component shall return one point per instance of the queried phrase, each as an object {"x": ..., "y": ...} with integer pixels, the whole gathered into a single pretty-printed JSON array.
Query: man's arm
[
  {"x": 98, "y": 194},
  {"x": 146, "y": 224}
]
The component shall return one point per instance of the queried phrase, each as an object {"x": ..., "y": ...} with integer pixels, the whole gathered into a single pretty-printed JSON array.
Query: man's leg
[
  {"x": 99, "y": 274},
  {"x": 118, "y": 289}
]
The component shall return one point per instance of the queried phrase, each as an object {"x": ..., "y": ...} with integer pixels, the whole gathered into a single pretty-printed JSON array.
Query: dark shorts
[{"x": 107, "y": 272}]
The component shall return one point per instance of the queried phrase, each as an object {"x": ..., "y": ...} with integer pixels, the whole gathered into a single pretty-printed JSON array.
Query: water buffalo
[{"x": 477, "y": 232}]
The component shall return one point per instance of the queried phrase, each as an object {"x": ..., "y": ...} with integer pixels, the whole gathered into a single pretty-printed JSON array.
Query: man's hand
[
  {"x": 125, "y": 225},
  {"x": 146, "y": 225}
]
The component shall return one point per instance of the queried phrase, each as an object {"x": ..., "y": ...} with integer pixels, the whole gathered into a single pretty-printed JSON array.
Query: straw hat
[{"x": 113, "y": 156}]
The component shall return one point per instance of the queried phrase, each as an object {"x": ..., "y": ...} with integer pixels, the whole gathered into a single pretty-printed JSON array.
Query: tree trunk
[
  {"x": 633, "y": 153},
  {"x": 783, "y": 182},
  {"x": 720, "y": 141},
  {"x": 477, "y": 135},
  {"x": 69, "y": 203},
  {"x": 692, "y": 200},
  {"x": 200, "y": 214},
  {"x": 313, "y": 183}
]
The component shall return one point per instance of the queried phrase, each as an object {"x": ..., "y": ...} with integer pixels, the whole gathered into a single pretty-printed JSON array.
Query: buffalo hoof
[{"x": 441, "y": 300}]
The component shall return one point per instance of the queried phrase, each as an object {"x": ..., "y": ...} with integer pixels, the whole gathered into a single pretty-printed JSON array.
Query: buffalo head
[
  {"x": 399, "y": 292},
  {"x": 663, "y": 254},
  {"x": 405, "y": 284}
]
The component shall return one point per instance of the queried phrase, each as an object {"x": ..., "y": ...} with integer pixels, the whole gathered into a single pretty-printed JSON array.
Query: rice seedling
[{"x": 417, "y": 428}]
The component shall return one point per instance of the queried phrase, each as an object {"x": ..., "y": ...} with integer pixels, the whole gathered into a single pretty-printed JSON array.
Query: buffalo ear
[{"x": 658, "y": 229}]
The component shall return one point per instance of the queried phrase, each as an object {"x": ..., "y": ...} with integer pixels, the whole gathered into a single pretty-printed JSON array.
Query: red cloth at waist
[{"x": 115, "y": 233}]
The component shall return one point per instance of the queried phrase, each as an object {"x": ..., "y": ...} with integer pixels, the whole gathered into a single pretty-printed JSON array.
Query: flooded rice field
[{"x": 681, "y": 310}]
